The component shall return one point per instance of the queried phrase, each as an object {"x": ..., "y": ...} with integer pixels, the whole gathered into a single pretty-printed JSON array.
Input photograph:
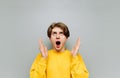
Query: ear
[
  {"x": 66, "y": 38},
  {"x": 50, "y": 38}
]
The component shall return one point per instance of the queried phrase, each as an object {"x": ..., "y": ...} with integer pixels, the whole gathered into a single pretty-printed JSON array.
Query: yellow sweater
[{"x": 58, "y": 65}]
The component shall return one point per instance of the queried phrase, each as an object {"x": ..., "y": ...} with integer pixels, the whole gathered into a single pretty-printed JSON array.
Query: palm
[
  {"x": 43, "y": 48},
  {"x": 76, "y": 47}
]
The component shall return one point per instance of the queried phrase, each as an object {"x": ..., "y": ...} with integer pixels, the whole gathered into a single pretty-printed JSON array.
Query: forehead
[{"x": 57, "y": 29}]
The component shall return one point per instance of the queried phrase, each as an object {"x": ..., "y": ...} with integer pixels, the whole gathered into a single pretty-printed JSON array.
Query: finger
[
  {"x": 46, "y": 51},
  {"x": 41, "y": 47},
  {"x": 77, "y": 43},
  {"x": 40, "y": 43},
  {"x": 76, "y": 46}
]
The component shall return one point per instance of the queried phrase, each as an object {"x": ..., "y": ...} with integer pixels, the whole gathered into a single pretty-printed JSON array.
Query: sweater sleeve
[
  {"x": 78, "y": 68},
  {"x": 38, "y": 68}
]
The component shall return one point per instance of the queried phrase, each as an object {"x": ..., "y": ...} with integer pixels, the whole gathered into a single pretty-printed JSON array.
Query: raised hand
[
  {"x": 75, "y": 48},
  {"x": 43, "y": 49}
]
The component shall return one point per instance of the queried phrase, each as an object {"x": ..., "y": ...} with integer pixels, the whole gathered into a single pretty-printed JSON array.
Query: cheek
[
  {"x": 52, "y": 39},
  {"x": 63, "y": 37}
]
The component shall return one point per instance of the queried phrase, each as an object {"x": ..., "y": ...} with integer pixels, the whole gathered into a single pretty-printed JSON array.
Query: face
[{"x": 58, "y": 39}]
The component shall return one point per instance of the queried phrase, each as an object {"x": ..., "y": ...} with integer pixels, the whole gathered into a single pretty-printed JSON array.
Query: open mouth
[{"x": 58, "y": 42}]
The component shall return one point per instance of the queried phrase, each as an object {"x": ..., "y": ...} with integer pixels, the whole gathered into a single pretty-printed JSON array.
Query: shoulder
[
  {"x": 67, "y": 51},
  {"x": 51, "y": 50},
  {"x": 38, "y": 56}
]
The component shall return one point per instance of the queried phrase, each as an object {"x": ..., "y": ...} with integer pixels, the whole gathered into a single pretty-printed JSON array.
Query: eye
[
  {"x": 53, "y": 33},
  {"x": 61, "y": 32}
]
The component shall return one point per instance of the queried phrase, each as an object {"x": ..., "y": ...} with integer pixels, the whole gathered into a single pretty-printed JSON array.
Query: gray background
[{"x": 23, "y": 22}]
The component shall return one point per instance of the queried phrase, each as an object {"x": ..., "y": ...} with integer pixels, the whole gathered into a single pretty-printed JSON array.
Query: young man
[{"x": 58, "y": 62}]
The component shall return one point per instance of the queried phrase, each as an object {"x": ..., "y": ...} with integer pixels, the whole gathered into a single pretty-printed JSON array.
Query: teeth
[{"x": 58, "y": 42}]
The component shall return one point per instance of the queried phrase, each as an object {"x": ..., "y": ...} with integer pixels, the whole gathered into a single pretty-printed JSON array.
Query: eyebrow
[{"x": 54, "y": 32}]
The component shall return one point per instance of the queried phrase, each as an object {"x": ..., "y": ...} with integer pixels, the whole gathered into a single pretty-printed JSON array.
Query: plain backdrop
[{"x": 23, "y": 22}]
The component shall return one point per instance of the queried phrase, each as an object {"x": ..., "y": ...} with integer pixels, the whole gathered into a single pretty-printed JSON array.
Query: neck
[{"x": 61, "y": 50}]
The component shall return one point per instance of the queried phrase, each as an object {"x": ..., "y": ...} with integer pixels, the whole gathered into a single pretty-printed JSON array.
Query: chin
[{"x": 58, "y": 50}]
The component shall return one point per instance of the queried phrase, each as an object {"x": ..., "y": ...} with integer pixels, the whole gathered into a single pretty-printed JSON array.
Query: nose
[{"x": 57, "y": 36}]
